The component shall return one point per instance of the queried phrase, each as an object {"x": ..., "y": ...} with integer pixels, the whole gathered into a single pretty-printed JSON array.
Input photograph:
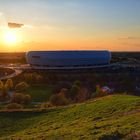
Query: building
[{"x": 68, "y": 59}]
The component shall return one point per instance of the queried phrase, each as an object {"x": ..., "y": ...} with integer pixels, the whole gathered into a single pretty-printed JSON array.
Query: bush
[
  {"x": 82, "y": 95},
  {"x": 99, "y": 92},
  {"x": 45, "y": 105},
  {"x": 17, "y": 98},
  {"x": 21, "y": 86},
  {"x": 21, "y": 98},
  {"x": 27, "y": 99},
  {"x": 59, "y": 100},
  {"x": 94, "y": 95},
  {"x": 13, "y": 106}
]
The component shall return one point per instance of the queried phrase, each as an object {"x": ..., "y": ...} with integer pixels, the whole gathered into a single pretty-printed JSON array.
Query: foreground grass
[
  {"x": 40, "y": 93},
  {"x": 108, "y": 117}
]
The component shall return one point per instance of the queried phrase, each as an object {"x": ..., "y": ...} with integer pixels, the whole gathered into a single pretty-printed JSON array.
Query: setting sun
[{"x": 10, "y": 38}]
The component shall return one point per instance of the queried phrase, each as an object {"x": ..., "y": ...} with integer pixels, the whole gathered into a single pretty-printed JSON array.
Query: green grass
[
  {"x": 40, "y": 93},
  {"x": 97, "y": 119}
]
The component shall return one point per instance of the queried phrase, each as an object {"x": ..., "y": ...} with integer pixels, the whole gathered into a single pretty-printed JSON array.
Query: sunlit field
[{"x": 112, "y": 117}]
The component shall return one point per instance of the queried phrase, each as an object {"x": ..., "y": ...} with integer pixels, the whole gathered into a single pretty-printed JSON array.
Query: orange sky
[{"x": 70, "y": 25}]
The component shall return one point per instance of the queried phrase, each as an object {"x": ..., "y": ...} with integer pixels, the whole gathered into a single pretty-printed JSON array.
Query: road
[
  {"x": 14, "y": 74},
  {"x": 19, "y": 69}
]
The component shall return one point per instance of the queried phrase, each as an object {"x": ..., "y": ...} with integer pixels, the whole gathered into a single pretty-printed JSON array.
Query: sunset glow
[
  {"x": 10, "y": 38},
  {"x": 77, "y": 25}
]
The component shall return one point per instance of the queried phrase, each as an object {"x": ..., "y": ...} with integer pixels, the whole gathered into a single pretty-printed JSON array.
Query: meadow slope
[{"x": 109, "y": 117}]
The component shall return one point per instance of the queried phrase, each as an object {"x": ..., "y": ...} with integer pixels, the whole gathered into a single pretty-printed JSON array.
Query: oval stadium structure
[{"x": 68, "y": 59}]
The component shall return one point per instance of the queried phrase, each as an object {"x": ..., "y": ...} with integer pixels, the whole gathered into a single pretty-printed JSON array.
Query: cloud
[
  {"x": 4, "y": 24},
  {"x": 136, "y": 45},
  {"x": 128, "y": 38},
  {"x": 15, "y": 25}
]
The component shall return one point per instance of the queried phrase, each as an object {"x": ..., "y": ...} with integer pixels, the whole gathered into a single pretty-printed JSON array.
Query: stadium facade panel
[{"x": 67, "y": 59}]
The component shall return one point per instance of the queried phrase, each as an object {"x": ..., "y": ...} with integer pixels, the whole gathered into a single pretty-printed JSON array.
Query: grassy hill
[{"x": 111, "y": 117}]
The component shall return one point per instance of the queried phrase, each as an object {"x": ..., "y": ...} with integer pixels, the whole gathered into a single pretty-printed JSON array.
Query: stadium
[{"x": 68, "y": 59}]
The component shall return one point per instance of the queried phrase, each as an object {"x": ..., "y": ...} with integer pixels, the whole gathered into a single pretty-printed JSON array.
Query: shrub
[
  {"x": 82, "y": 95},
  {"x": 59, "y": 100},
  {"x": 17, "y": 98},
  {"x": 21, "y": 86},
  {"x": 94, "y": 95},
  {"x": 99, "y": 92},
  {"x": 27, "y": 99},
  {"x": 13, "y": 106},
  {"x": 21, "y": 98},
  {"x": 45, "y": 105}
]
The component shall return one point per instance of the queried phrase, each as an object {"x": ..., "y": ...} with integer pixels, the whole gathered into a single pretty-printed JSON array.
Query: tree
[
  {"x": 59, "y": 100},
  {"x": 28, "y": 77},
  {"x": 1, "y": 85},
  {"x": 74, "y": 91},
  {"x": 77, "y": 83},
  {"x": 33, "y": 78},
  {"x": 9, "y": 84},
  {"x": 21, "y": 86},
  {"x": 4, "y": 93},
  {"x": 37, "y": 78},
  {"x": 97, "y": 92},
  {"x": 98, "y": 89},
  {"x": 64, "y": 91}
]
